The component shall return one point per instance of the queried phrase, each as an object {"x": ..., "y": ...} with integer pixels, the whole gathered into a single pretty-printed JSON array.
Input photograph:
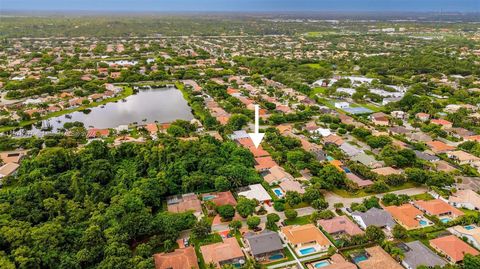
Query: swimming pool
[
  {"x": 423, "y": 222},
  {"x": 278, "y": 192},
  {"x": 208, "y": 197},
  {"x": 277, "y": 256},
  {"x": 306, "y": 251},
  {"x": 321, "y": 264},
  {"x": 445, "y": 220},
  {"x": 330, "y": 158},
  {"x": 360, "y": 258},
  {"x": 469, "y": 227},
  {"x": 346, "y": 169}
]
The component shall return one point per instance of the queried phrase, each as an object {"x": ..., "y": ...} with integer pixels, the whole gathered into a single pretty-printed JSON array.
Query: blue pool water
[
  {"x": 277, "y": 256},
  {"x": 360, "y": 258},
  {"x": 469, "y": 227},
  {"x": 306, "y": 251},
  {"x": 346, "y": 170},
  {"x": 423, "y": 222},
  {"x": 330, "y": 158},
  {"x": 445, "y": 220},
  {"x": 278, "y": 192},
  {"x": 322, "y": 264},
  {"x": 208, "y": 197}
]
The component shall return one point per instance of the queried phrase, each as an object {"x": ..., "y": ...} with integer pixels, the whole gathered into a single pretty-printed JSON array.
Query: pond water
[{"x": 147, "y": 106}]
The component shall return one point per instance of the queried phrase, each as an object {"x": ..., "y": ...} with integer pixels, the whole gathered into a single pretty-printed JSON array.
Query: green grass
[
  {"x": 299, "y": 220},
  {"x": 422, "y": 196},
  {"x": 127, "y": 92},
  {"x": 363, "y": 193},
  {"x": 469, "y": 212},
  {"x": 318, "y": 90},
  {"x": 314, "y": 66}
]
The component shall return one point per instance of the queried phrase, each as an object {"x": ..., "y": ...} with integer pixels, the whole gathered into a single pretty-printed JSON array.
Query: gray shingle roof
[
  {"x": 418, "y": 254},
  {"x": 264, "y": 242},
  {"x": 376, "y": 217},
  {"x": 426, "y": 156}
]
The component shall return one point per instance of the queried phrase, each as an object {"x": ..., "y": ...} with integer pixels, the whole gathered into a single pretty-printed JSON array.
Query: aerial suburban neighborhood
[{"x": 129, "y": 141}]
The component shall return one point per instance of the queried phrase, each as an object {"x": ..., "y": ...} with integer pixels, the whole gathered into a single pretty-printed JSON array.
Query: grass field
[{"x": 362, "y": 193}]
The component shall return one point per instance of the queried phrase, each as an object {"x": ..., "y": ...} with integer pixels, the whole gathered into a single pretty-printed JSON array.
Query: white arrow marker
[{"x": 256, "y": 137}]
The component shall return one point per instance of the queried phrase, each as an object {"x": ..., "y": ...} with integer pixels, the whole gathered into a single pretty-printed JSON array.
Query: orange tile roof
[
  {"x": 340, "y": 224},
  {"x": 305, "y": 233},
  {"x": 438, "y": 146},
  {"x": 224, "y": 251},
  {"x": 440, "y": 122},
  {"x": 405, "y": 214},
  {"x": 438, "y": 207},
  {"x": 223, "y": 198},
  {"x": 152, "y": 127},
  {"x": 264, "y": 163},
  {"x": 453, "y": 247},
  {"x": 184, "y": 258}
]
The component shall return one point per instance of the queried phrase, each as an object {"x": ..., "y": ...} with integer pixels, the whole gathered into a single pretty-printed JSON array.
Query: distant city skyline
[{"x": 241, "y": 5}]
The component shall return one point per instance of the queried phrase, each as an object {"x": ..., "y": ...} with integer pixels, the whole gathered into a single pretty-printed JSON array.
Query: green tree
[
  {"x": 374, "y": 234},
  {"x": 253, "y": 222},
  {"x": 227, "y": 212},
  {"x": 291, "y": 214},
  {"x": 245, "y": 207}
]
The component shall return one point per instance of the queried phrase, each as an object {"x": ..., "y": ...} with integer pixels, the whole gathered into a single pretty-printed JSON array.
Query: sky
[{"x": 241, "y": 5}]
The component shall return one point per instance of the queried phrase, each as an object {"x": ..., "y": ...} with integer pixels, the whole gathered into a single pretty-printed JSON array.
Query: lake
[{"x": 146, "y": 106}]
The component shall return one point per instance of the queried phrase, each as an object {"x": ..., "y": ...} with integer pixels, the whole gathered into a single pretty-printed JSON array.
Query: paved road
[{"x": 333, "y": 198}]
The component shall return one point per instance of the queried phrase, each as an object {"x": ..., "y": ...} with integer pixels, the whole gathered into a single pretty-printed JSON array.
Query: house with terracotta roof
[
  {"x": 465, "y": 199},
  {"x": 151, "y": 128},
  {"x": 408, "y": 216},
  {"x": 183, "y": 258},
  {"x": 376, "y": 257},
  {"x": 276, "y": 175},
  {"x": 96, "y": 133},
  {"x": 264, "y": 163},
  {"x": 222, "y": 253},
  {"x": 340, "y": 226},
  {"x": 12, "y": 156},
  {"x": 333, "y": 139},
  {"x": 439, "y": 147},
  {"x": 305, "y": 239},
  {"x": 220, "y": 198},
  {"x": 442, "y": 122},
  {"x": 184, "y": 203},
  {"x": 471, "y": 232},
  {"x": 379, "y": 118},
  {"x": 438, "y": 208},
  {"x": 453, "y": 248},
  {"x": 334, "y": 262}
]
